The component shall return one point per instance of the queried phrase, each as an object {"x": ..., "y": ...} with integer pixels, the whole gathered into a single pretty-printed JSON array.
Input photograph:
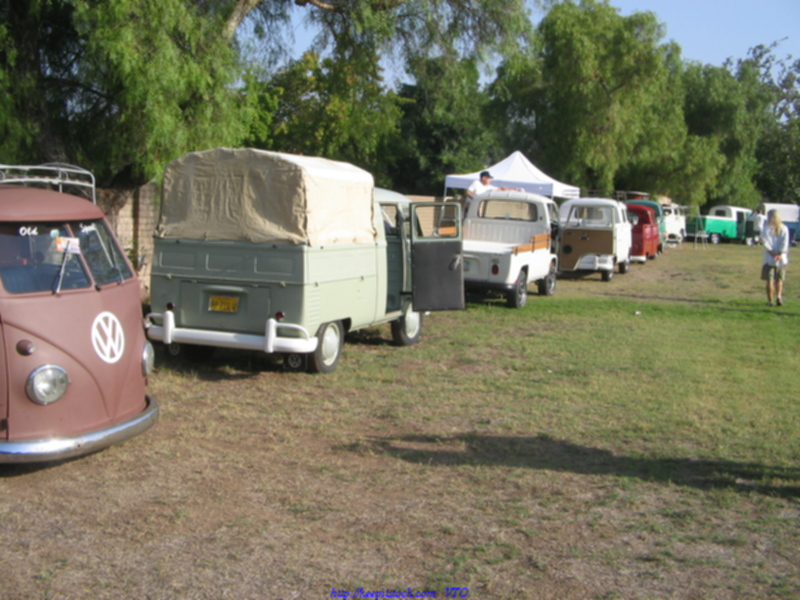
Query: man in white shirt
[
  {"x": 759, "y": 220},
  {"x": 479, "y": 186}
]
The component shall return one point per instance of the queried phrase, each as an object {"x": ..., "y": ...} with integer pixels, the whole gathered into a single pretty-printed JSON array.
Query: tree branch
[
  {"x": 317, "y": 3},
  {"x": 240, "y": 11}
]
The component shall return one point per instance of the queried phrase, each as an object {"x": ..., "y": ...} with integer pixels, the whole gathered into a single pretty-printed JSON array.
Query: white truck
[
  {"x": 508, "y": 242},
  {"x": 675, "y": 222},
  {"x": 285, "y": 254}
]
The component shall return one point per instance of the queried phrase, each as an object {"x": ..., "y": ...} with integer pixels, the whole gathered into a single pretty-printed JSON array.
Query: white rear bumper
[{"x": 270, "y": 342}]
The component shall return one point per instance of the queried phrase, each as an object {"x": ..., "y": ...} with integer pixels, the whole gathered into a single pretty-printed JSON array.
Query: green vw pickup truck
[{"x": 285, "y": 254}]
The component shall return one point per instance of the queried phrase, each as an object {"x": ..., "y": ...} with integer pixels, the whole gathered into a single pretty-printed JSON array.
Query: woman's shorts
[{"x": 773, "y": 273}]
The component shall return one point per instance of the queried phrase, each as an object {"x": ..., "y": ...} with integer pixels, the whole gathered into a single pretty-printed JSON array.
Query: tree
[
  {"x": 590, "y": 91},
  {"x": 330, "y": 108},
  {"x": 778, "y": 152},
  {"x": 120, "y": 87},
  {"x": 123, "y": 87},
  {"x": 730, "y": 107},
  {"x": 442, "y": 129},
  {"x": 339, "y": 105},
  {"x": 667, "y": 158}
]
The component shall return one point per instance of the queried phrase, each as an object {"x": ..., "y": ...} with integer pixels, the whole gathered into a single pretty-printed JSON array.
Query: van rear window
[
  {"x": 590, "y": 216},
  {"x": 39, "y": 257},
  {"x": 507, "y": 210}
]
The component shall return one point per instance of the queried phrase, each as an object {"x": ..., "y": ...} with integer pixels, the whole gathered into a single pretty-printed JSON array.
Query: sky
[{"x": 710, "y": 31}]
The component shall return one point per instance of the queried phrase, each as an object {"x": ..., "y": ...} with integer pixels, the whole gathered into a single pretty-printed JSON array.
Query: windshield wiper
[{"x": 61, "y": 271}]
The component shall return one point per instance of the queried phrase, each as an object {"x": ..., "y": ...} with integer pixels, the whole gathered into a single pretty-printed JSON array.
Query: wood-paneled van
[{"x": 595, "y": 236}]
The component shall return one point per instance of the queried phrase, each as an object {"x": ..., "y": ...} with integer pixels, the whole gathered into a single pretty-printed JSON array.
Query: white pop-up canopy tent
[{"x": 516, "y": 171}]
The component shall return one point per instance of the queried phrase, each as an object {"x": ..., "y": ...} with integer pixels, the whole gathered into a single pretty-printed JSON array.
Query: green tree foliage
[
  {"x": 31, "y": 117},
  {"x": 424, "y": 28},
  {"x": 121, "y": 87},
  {"x": 15, "y": 134},
  {"x": 778, "y": 153},
  {"x": 330, "y": 108},
  {"x": 599, "y": 102},
  {"x": 601, "y": 78},
  {"x": 667, "y": 158},
  {"x": 731, "y": 109},
  {"x": 593, "y": 98},
  {"x": 442, "y": 128},
  {"x": 340, "y": 107}
]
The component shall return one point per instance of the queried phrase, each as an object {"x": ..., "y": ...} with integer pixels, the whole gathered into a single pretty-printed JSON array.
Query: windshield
[
  {"x": 101, "y": 253},
  {"x": 39, "y": 257}
]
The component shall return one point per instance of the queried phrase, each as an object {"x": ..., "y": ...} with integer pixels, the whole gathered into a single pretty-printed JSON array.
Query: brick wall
[{"x": 133, "y": 216}]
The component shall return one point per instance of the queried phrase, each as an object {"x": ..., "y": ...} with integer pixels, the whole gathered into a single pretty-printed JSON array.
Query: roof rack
[{"x": 57, "y": 175}]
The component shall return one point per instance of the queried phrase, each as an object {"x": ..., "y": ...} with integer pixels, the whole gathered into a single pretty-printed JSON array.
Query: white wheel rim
[
  {"x": 330, "y": 344},
  {"x": 412, "y": 321}
]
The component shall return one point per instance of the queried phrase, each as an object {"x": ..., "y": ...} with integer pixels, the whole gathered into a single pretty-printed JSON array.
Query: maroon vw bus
[{"x": 74, "y": 358}]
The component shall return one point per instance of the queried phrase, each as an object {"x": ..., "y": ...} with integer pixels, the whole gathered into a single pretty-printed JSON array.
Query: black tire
[
  {"x": 547, "y": 286},
  {"x": 192, "y": 352},
  {"x": 329, "y": 348},
  {"x": 608, "y": 274},
  {"x": 407, "y": 329},
  {"x": 714, "y": 238},
  {"x": 624, "y": 267},
  {"x": 518, "y": 295}
]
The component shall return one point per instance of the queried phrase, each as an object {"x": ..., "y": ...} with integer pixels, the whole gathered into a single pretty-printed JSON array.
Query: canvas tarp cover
[
  {"x": 516, "y": 171},
  {"x": 266, "y": 197}
]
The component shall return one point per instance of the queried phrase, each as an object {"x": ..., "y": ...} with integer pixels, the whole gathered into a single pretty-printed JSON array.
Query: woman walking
[{"x": 775, "y": 237}]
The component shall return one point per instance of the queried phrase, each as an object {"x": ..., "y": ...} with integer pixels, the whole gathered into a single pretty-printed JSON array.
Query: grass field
[{"x": 636, "y": 439}]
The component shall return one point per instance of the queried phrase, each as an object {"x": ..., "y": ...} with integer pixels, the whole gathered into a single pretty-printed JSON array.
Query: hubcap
[
  {"x": 522, "y": 288},
  {"x": 294, "y": 361},
  {"x": 412, "y": 320},
  {"x": 330, "y": 344}
]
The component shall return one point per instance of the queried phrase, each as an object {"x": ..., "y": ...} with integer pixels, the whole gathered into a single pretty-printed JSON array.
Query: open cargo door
[{"x": 436, "y": 256}]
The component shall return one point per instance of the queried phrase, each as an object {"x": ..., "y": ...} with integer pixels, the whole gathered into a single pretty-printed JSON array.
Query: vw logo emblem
[{"x": 108, "y": 337}]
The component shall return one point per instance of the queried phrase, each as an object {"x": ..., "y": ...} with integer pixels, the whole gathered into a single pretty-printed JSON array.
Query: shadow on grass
[
  {"x": 11, "y": 470},
  {"x": 545, "y": 453},
  {"x": 217, "y": 364},
  {"x": 585, "y": 276}
]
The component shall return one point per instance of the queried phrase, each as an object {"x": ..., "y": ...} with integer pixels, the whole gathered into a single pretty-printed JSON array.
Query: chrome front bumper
[{"x": 86, "y": 443}]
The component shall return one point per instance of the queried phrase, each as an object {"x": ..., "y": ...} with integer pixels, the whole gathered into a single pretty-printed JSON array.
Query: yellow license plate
[{"x": 229, "y": 304}]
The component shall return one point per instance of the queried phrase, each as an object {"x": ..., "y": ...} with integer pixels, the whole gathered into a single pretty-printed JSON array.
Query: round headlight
[
  {"x": 148, "y": 358},
  {"x": 47, "y": 384}
]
